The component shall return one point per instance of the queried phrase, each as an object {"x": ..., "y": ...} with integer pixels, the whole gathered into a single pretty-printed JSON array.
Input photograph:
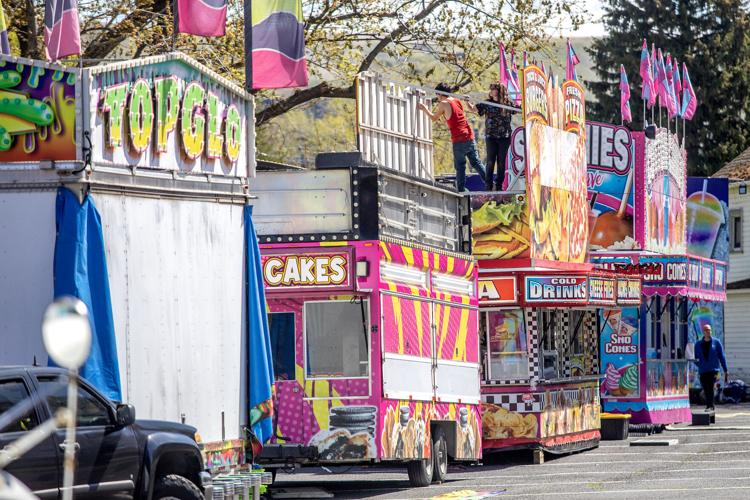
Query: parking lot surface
[{"x": 711, "y": 462}]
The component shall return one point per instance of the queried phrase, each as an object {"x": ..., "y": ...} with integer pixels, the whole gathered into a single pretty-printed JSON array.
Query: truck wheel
[
  {"x": 177, "y": 487},
  {"x": 420, "y": 472},
  {"x": 439, "y": 456}
]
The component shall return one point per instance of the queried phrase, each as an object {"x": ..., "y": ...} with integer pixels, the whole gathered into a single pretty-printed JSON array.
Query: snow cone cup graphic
[
  {"x": 705, "y": 217},
  {"x": 612, "y": 380},
  {"x": 628, "y": 379}
]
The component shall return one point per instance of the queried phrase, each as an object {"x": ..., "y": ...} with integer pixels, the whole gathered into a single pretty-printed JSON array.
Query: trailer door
[{"x": 456, "y": 353}]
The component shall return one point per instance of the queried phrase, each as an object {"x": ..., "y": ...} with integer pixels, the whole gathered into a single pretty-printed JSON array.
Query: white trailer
[{"x": 163, "y": 147}]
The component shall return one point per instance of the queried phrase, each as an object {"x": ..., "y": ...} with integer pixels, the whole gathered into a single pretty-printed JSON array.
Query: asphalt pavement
[{"x": 705, "y": 463}]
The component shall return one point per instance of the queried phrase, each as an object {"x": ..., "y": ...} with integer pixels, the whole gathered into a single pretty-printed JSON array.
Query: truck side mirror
[{"x": 125, "y": 415}]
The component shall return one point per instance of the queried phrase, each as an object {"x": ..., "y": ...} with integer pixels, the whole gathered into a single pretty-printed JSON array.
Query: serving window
[
  {"x": 507, "y": 345},
  {"x": 337, "y": 339}
]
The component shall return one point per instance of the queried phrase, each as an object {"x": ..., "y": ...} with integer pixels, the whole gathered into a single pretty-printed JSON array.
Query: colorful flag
[
  {"x": 673, "y": 107},
  {"x": 278, "y": 40},
  {"x": 4, "y": 44},
  {"x": 503, "y": 67},
  {"x": 525, "y": 59},
  {"x": 515, "y": 82},
  {"x": 689, "y": 100},
  {"x": 625, "y": 96},
  {"x": 570, "y": 66},
  {"x": 62, "y": 33},
  {"x": 647, "y": 76},
  {"x": 202, "y": 17}
]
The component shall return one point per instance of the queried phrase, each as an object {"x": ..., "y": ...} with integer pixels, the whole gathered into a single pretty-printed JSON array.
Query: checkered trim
[
  {"x": 532, "y": 335},
  {"x": 565, "y": 339},
  {"x": 506, "y": 382},
  {"x": 515, "y": 402},
  {"x": 591, "y": 347}
]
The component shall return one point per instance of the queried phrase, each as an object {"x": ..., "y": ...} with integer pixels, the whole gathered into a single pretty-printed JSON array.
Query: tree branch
[{"x": 302, "y": 96}]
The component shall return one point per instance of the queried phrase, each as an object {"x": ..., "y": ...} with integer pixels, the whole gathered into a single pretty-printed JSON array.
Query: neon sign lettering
[{"x": 166, "y": 105}]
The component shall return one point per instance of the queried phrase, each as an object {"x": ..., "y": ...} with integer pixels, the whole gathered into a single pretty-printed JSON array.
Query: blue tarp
[
  {"x": 260, "y": 361},
  {"x": 80, "y": 270}
]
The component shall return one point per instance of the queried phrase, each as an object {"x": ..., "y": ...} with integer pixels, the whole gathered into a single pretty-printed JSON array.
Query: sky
[{"x": 593, "y": 26}]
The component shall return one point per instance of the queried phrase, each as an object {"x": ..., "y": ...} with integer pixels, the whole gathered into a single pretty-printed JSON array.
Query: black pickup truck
[{"x": 116, "y": 455}]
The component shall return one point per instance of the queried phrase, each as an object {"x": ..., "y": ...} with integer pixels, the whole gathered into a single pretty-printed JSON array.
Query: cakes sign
[{"x": 306, "y": 271}]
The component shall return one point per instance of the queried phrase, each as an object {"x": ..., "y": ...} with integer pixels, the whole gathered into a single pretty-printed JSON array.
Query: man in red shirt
[{"x": 462, "y": 135}]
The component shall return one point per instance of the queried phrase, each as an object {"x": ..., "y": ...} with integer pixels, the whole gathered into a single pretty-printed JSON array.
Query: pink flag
[
  {"x": 647, "y": 77},
  {"x": 62, "y": 33},
  {"x": 202, "y": 17},
  {"x": 503, "y": 67},
  {"x": 689, "y": 100},
  {"x": 672, "y": 105},
  {"x": 571, "y": 61},
  {"x": 514, "y": 81},
  {"x": 625, "y": 96},
  {"x": 655, "y": 73}
]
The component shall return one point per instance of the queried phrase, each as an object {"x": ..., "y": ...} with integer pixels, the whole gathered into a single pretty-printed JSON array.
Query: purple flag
[
  {"x": 648, "y": 92},
  {"x": 503, "y": 67},
  {"x": 202, "y": 17},
  {"x": 62, "y": 33},
  {"x": 677, "y": 84},
  {"x": 570, "y": 64},
  {"x": 689, "y": 100},
  {"x": 672, "y": 105},
  {"x": 625, "y": 96},
  {"x": 655, "y": 72}
]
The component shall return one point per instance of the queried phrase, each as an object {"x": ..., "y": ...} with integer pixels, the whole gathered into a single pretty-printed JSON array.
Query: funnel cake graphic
[{"x": 19, "y": 114}]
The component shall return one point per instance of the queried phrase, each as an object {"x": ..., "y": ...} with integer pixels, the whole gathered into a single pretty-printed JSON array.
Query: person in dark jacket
[
  {"x": 709, "y": 356},
  {"x": 497, "y": 130}
]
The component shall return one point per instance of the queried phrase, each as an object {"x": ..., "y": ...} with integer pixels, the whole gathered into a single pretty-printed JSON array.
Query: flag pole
[
  {"x": 248, "y": 12},
  {"x": 175, "y": 25}
]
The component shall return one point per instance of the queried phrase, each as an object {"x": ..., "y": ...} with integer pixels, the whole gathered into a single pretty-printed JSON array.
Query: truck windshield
[{"x": 336, "y": 334}]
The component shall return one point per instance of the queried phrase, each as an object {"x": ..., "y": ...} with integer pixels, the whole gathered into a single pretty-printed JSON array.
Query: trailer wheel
[
  {"x": 420, "y": 472},
  {"x": 439, "y": 456}
]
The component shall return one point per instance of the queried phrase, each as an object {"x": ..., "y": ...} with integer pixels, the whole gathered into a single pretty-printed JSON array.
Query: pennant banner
[
  {"x": 572, "y": 61},
  {"x": 278, "y": 41},
  {"x": 625, "y": 96},
  {"x": 62, "y": 33},
  {"x": 202, "y": 17},
  {"x": 689, "y": 100}
]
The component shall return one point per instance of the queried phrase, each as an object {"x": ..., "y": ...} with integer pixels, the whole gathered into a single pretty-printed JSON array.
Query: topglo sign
[
  {"x": 170, "y": 113},
  {"x": 568, "y": 289}
]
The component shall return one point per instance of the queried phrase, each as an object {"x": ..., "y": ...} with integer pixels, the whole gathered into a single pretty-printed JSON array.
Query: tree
[{"x": 710, "y": 36}]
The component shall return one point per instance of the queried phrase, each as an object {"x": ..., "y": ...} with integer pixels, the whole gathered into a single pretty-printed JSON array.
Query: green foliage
[{"x": 711, "y": 37}]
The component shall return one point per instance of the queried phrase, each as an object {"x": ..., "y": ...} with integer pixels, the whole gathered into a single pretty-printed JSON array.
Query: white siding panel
[
  {"x": 27, "y": 247},
  {"x": 739, "y": 262},
  {"x": 737, "y": 334},
  {"x": 175, "y": 270}
]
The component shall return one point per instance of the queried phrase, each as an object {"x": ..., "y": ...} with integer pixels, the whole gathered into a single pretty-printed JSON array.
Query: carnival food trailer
[
  {"x": 126, "y": 185},
  {"x": 372, "y": 303},
  {"x": 540, "y": 383},
  {"x": 650, "y": 380},
  {"x": 678, "y": 245}
]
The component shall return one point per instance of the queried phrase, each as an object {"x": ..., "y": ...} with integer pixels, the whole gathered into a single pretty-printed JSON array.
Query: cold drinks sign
[{"x": 168, "y": 112}]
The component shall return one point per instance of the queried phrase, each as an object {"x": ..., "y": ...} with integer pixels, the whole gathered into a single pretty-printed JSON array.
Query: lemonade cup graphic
[{"x": 705, "y": 217}]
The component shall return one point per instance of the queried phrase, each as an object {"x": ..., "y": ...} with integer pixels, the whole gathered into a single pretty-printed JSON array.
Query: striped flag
[
  {"x": 278, "y": 45},
  {"x": 4, "y": 44},
  {"x": 202, "y": 17},
  {"x": 648, "y": 93},
  {"x": 570, "y": 66},
  {"x": 503, "y": 67},
  {"x": 689, "y": 100},
  {"x": 627, "y": 116},
  {"x": 62, "y": 33}
]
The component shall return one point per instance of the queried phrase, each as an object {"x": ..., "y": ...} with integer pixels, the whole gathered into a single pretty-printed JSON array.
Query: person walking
[
  {"x": 709, "y": 356},
  {"x": 462, "y": 135},
  {"x": 497, "y": 131}
]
